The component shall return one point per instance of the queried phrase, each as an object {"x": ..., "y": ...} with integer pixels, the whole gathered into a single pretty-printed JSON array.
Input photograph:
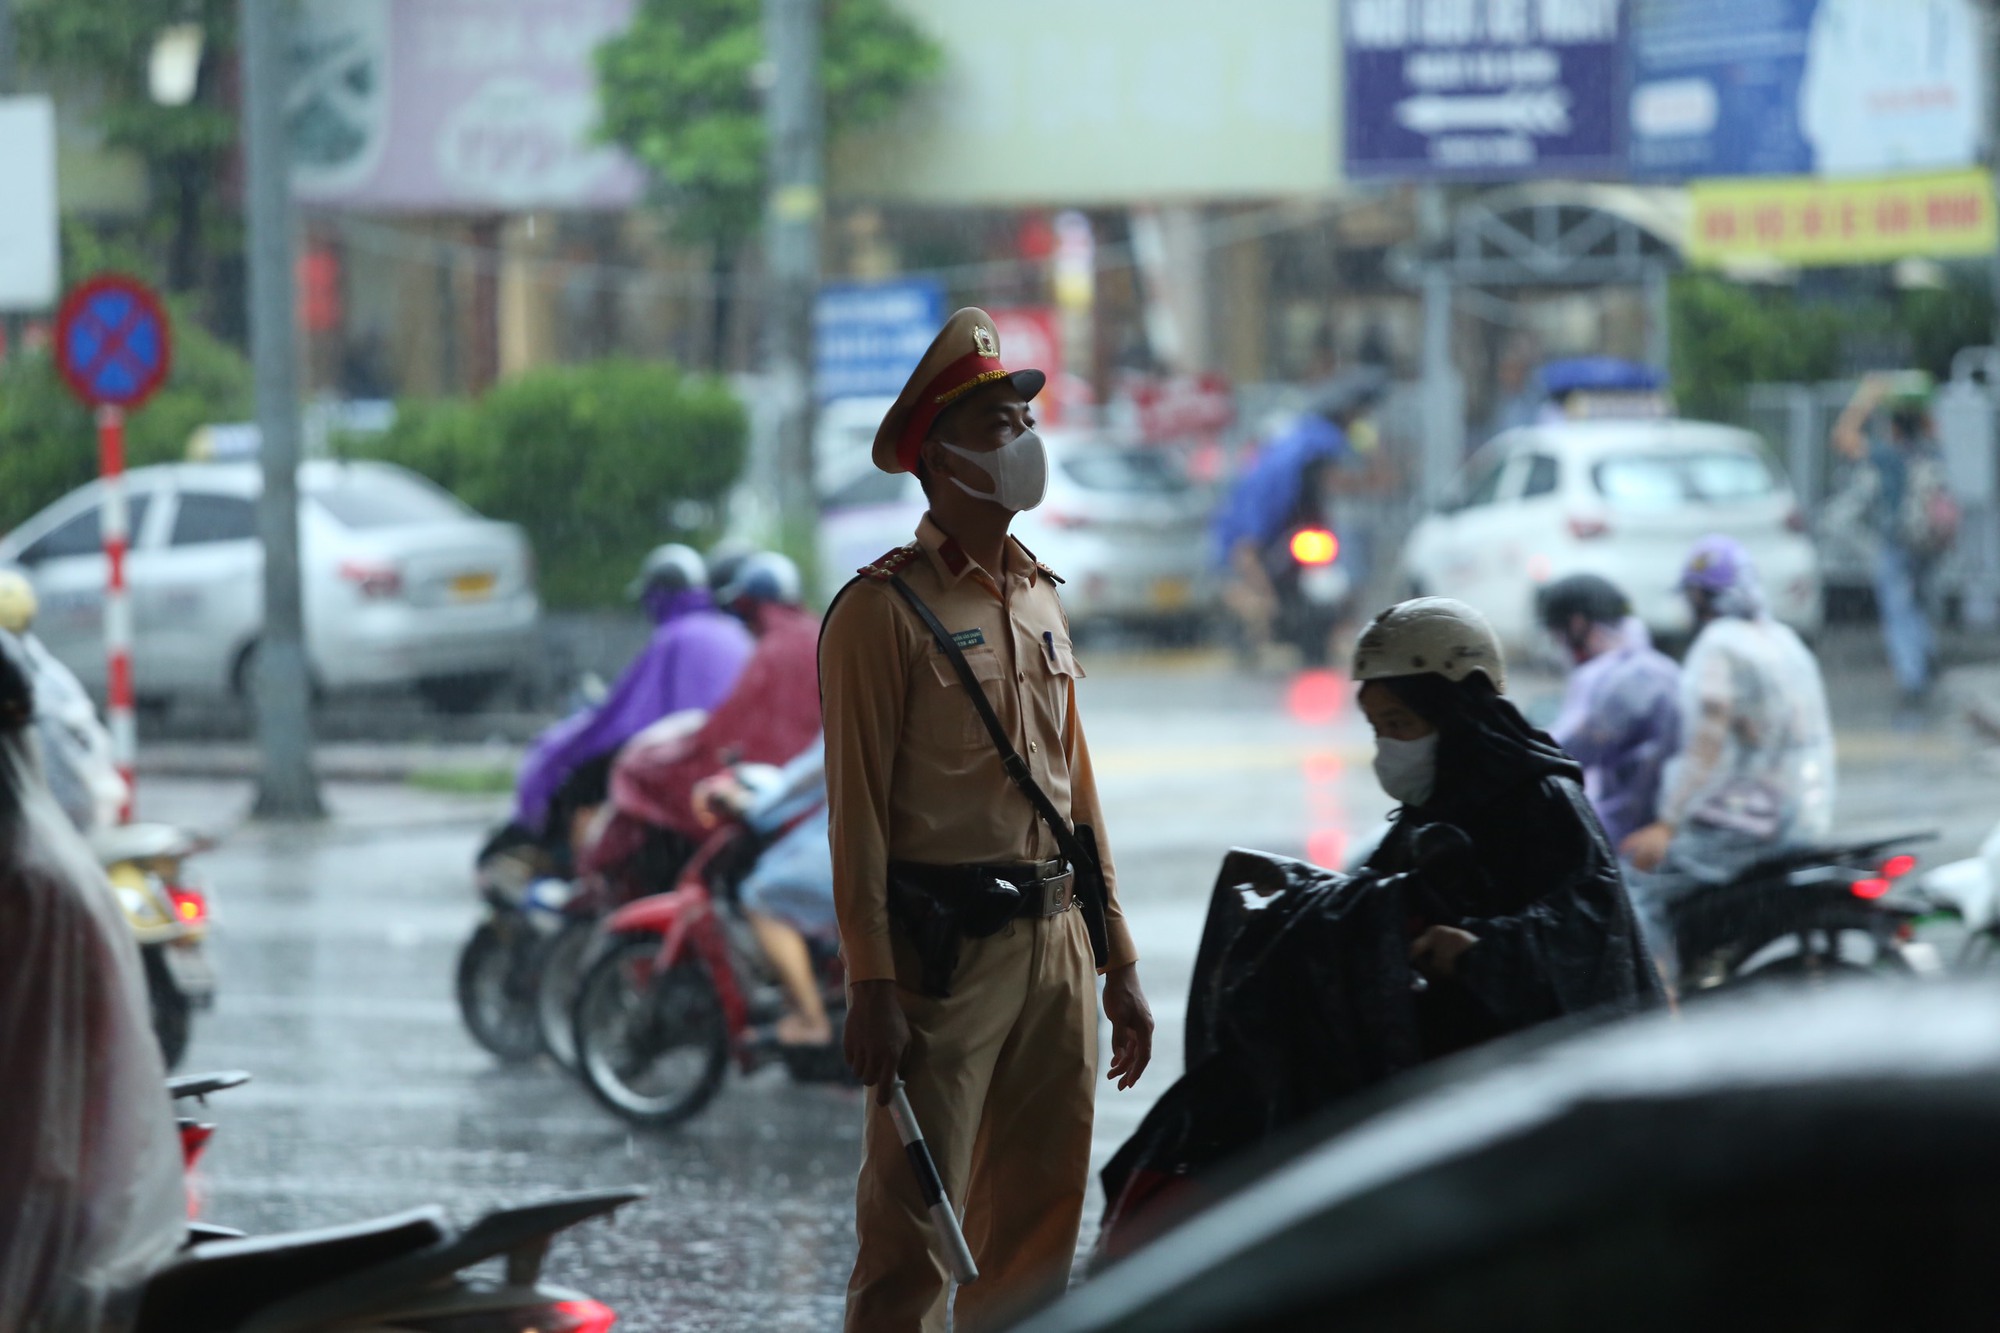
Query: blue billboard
[
  {"x": 1484, "y": 89},
  {"x": 1803, "y": 87},
  {"x": 869, "y": 336}
]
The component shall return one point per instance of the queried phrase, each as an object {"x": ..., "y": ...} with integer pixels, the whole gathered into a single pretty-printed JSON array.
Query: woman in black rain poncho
[{"x": 1534, "y": 923}]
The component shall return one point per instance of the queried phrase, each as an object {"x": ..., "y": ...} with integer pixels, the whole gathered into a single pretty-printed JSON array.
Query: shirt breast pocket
[
  {"x": 951, "y": 715},
  {"x": 1059, "y": 672}
]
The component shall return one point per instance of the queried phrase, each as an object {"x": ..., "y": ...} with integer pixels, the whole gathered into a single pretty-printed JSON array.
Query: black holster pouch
[{"x": 938, "y": 906}]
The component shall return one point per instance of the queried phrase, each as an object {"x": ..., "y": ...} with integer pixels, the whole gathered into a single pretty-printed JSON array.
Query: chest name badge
[{"x": 969, "y": 638}]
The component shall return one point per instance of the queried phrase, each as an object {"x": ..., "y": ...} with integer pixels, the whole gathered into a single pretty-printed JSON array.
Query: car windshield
[
  {"x": 1665, "y": 481},
  {"x": 371, "y": 499},
  {"x": 1133, "y": 471}
]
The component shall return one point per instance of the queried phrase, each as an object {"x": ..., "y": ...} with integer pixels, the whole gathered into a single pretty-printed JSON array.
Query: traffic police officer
[{"x": 1000, "y": 1070}]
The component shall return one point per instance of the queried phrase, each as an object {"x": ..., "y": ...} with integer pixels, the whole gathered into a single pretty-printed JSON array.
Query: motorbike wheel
[
  {"x": 652, "y": 1046},
  {"x": 564, "y": 959},
  {"x": 496, "y": 993},
  {"x": 173, "y": 1012}
]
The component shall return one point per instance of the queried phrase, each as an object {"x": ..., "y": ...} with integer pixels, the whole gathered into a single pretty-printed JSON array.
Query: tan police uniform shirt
[{"x": 911, "y": 773}]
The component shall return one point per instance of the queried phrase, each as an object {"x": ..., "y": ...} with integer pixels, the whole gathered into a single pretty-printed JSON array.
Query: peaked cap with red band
[{"x": 964, "y": 356}]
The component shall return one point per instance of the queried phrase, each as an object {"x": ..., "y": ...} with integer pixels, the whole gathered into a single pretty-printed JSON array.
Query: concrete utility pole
[
  {"x": 289, "y": 788},
  {"x": 795, "y": 122}
]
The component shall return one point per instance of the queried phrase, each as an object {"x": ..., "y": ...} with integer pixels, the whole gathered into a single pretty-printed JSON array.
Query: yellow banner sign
[{"x": 1807, "y": 221}]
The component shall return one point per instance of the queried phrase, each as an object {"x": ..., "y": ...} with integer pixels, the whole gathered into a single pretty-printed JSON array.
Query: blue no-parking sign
[{"x": 113, "y": 344}]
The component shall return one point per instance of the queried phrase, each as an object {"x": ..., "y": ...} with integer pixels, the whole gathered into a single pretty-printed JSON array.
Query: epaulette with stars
[{"x": 887, "y": 566}]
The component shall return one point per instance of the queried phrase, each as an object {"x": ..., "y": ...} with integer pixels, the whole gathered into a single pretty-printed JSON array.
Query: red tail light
[
  {"x": 372, "y": 579},
  {"x": 1585, "y": 528},
  {"x": 583, "y": 1317},
  {"x": 194, "y": 1137},
  {"x": 190, "y": 905},
  {"x": 1898, "y": 866},
  {"x": 562, "y": 1317},
  {"x": 1315, "y": 546},
  {"x": 1873, "y": 887}
]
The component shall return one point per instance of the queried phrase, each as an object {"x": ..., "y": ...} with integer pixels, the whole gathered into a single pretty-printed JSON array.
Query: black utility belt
[
  {"x": 938, "y": 907},
  {"x": 1046, "y": 888}
]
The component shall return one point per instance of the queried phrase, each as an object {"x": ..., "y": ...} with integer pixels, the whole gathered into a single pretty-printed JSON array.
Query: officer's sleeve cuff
[{"x": 872, "y": 961}]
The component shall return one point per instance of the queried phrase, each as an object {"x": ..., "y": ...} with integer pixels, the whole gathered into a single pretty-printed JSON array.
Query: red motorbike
[{"x": 677, "y": 987}]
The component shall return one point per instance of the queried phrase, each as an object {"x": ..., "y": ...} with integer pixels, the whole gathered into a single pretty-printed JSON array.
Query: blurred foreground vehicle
[
  {"x": 1624, "y": 499},
  {"x": 403, "y": 584},
  {"x": 1122, "y": 524},
  {"x": 1713, "y": 1170},
  {"x": 402, "y": 1272},
  {"x": 168, "y": 912}
]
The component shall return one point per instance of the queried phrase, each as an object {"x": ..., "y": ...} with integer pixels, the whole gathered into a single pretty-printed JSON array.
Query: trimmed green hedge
[{"x": 598, "y": 462}]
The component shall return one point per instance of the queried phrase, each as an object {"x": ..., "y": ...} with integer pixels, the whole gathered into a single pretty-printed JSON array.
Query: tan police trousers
[{"x": 1001, "y": 1076}]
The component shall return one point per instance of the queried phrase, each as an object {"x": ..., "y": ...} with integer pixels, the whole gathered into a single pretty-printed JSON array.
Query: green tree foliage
[
  {"x": 104, "y": 47},
  {"x": 48, "y": 443},
  {"x": 1727, "y": 336},
  {"x": 597, "y": 462},
  {"x": 678, "y": 91}
]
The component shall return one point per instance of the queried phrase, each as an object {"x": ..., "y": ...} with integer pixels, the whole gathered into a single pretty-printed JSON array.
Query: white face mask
[
  {"x": 1407, "y": 770},
  {"x": 1019, "y": 468}
]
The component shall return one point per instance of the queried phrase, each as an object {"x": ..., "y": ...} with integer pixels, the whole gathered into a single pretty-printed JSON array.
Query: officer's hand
[
  {"x": 1436, "y": 952},
  {"x": 876, "y": 1036},
  {"x": 1131, "y": 1025},
  {"x": 1647, "y": 847}
]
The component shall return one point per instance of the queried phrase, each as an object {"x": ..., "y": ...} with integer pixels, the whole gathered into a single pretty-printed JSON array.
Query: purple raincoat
[
  {"x": 1621, "y": 720},
  {"x": 692, "y": 661}
]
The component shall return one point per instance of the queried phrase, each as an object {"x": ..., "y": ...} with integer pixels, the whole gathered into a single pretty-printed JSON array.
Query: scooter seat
[{"x": 220, "y": 1284}]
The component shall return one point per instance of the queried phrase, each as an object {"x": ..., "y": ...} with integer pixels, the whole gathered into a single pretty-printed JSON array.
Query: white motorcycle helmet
[{"x": 1430, "y": 635}]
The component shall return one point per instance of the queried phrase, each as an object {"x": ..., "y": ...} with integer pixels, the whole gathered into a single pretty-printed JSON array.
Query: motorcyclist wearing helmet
[
  {"x": 770, "y": 715},
  {"x": 90, "y": 1164},
  {"x": 1755, "y": 770},
  {"x": 74, "y": 747},
  {"x": 692, "y": 661},
  {"x": 1293, "y": 483},
  {"x": 1621, "y": 716},
  {"x": 1538, "y": 925}
]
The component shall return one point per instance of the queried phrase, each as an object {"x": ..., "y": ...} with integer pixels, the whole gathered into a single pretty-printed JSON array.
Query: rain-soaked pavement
[{"x": 336, "y": 944}]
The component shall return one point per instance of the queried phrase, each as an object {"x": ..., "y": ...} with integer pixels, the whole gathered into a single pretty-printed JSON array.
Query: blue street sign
[
  {"x": 113, "y": 345},
  {"x": 869, "y": 336}
]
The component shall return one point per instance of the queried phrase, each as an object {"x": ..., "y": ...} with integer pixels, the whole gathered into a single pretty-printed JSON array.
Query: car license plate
[
  {"x": 473, "y": 586},
  {"x": 1171, "y": 594},
  {"x": 188, "y": 965}
]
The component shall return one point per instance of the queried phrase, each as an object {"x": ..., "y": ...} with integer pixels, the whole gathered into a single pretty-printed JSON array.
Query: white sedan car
[
  {"x": 1624, "y": 499},
  {"x": 1122, "y": 524},
  {"x": 403, "y": 584}
]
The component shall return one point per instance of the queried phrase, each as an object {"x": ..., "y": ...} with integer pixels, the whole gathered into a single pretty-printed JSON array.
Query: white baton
[{"x": 956, "y": 1253}]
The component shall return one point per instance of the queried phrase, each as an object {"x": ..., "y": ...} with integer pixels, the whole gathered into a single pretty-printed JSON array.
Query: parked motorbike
[
  {"x": 1813, "y": 914},
  {"x": 1313, "y": 588},
  {"x": 677, "y": 985},
  {"x": 406, "y": 1273},
  {"x": 169, "y": 915}
]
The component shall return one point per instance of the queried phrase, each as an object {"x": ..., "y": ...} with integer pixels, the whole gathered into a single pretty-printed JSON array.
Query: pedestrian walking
[
  {"x": 1900, "y": 497},
  {"x": 972, "y": 913}
]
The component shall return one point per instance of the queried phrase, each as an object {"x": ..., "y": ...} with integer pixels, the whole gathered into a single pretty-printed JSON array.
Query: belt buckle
[{"x": 1061, "y": 888}]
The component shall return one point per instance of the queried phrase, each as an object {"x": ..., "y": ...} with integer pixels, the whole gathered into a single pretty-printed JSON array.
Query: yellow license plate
[
  {"x": 1171, "y": 594},
  {"x": 473, "y": 585}
]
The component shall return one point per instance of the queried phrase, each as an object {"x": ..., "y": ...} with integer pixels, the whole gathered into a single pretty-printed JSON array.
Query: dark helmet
[
  {"x": 724, "y": 559},
  {"x": 1595, "y": 598},
  {"x": 1351, "y": 394}
]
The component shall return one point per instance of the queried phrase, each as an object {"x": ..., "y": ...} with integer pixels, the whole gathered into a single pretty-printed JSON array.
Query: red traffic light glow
[{"x": 1315, "y": 546}]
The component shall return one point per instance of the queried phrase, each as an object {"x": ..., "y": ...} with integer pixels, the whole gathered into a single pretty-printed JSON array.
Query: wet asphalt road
[{"x": 335, "y": 947}]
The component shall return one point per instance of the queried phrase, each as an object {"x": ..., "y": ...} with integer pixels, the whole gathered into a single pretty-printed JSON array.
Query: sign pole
[{"x": 116, "y": 527}]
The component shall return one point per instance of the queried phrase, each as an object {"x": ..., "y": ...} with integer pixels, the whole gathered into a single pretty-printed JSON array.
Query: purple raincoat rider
[
  {"x": 1621, "y": 716},
  {"x": 692, "y": 661}
]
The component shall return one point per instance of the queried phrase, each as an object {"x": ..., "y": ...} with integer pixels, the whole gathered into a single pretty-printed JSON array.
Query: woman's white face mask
[
  {"x": 1019, "y": 468},
  {"x": 1407, "y": 770}
]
